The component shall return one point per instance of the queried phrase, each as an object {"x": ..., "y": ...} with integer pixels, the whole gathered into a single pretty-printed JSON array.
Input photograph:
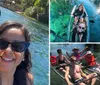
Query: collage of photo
[
  {"x": 49, "y": 42},
  {"x": 74, "y": 42}
]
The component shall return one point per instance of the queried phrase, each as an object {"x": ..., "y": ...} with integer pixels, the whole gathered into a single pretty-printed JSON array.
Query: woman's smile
[
  {"x": 7, "y": 59},
  {"x": 15, "y": 57}
]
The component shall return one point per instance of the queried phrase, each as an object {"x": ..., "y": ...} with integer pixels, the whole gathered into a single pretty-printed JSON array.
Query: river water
[{"x": 39, "y": 45}]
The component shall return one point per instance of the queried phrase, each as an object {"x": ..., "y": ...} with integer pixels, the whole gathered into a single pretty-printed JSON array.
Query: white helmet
[{"x": 89, "y": 52}]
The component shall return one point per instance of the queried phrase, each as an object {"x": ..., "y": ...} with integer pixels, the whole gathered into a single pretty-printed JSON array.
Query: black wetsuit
[{"x": 79, "y": 13}]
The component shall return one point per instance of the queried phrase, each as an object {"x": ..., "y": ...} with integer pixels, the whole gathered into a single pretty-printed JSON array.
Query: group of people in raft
[
  {"x": 74, "y": 69},
  {"x": 79, "y": 25}
]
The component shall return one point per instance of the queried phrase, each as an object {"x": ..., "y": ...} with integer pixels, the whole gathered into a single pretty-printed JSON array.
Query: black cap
[{"x": 75, "y": 49}]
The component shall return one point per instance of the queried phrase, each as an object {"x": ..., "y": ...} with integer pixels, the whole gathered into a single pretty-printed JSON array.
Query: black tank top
[
  {"x": 61, "y": 61},
  {"x": 20, "y": 77}
]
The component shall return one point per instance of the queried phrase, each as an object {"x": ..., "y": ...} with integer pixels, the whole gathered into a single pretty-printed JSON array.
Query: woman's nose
[{"x": 9, "y": 48}]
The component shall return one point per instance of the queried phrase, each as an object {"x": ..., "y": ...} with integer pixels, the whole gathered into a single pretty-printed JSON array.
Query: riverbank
[
  {"x": 32, "y": 18},
  {"x": 37, "y": 11}
]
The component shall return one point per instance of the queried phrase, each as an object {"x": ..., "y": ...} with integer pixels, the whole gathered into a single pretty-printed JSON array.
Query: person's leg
[
  {"x": 67, "y": 76},
  {"x": 84, "y": 37},
  {"x": 62, "y": 69},
  {"x": 81, "y": 36},
  {"x": 73, "y": 36},
  {"x": 93, "y": 79},
  {"x": 81, "y": 84},
  {"x": 82, "y": 40}
]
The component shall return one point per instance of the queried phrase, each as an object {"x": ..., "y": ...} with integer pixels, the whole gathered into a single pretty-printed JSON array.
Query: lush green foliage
[
  {"x": 33, "y": 7},
  {"x": 59, "y": 18}
]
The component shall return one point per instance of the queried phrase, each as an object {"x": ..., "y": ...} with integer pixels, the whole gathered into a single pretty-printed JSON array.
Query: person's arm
[
  {"x": 66, "y": 76},
  {"x": 30, "y": 78},
  {"x": 84, "y": 15},
  {"x": 83, "y": 74},
  {"x": 83, "y": 50},
  {"x": 75, "y": 13},
  {"x": 57, "y": 61},
  {"x": 82, "y": 57},
  {"x": 67, "y": 61}
]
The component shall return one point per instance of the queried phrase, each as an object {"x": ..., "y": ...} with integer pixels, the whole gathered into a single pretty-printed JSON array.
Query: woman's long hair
[
  {"x": 82, "y": 7},
  {"x": 24, "y": 66}
]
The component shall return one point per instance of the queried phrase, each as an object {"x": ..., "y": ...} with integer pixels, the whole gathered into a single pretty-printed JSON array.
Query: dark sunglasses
[
  {"x": 17, "y": 46},
  {"x": 81, "y": 27}
]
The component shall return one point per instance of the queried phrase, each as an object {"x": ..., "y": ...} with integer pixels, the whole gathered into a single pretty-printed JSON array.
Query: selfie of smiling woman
[
  {"x": 15, "y": 57},
  {"x": 24, "y": 42}
]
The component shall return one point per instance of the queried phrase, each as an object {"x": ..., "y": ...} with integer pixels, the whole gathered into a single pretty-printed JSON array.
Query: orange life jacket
[{"x": 90, "y": 60}]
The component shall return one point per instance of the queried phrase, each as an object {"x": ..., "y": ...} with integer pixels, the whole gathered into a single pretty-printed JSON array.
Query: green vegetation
[
  {"x": 36, "y": 9},
  {"x": 33, "y": 8},
  {"x": 59, "y": 19}
]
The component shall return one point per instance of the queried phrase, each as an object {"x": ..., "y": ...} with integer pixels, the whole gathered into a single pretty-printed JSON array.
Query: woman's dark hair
[
  {"x": 59, "y": 51},
  {"x": 82, "y": 7},
  {"x": 26, "y": 64}
]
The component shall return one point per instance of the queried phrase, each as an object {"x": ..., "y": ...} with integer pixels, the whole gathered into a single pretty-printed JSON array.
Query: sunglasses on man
[{"x": 16, "y": 46}]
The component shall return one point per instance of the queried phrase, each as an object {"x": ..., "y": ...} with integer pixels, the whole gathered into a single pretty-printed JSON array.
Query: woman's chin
[{"x": 7, "y": 65}]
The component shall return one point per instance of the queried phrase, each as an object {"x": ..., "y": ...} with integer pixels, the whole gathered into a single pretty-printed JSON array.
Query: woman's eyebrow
[
  {"x": 10, "y": 40},
  {"x": 4, "y": 38},
  {"x": 1, "y": 37}
]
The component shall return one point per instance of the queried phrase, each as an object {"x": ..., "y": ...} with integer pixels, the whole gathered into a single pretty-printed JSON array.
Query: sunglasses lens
[
  {"x": 3, "y": 44},
  {"x": 79, "y": 26},
  {"x": 20, "y": 46},
  {"x": 82, "y": 27}
]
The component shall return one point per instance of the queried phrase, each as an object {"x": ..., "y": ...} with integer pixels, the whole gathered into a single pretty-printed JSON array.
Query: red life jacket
[
  {"x": 90, "y": 60},
  {"x": 53, "y": 60}
]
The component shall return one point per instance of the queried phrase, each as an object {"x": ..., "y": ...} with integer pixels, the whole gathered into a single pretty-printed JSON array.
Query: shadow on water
[
  {"x": 39, "y": 44},
  {"x": 56, "y": 79}
]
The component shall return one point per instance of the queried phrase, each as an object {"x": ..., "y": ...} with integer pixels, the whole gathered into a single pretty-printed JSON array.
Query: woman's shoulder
[{"x": 30, "y": 78}]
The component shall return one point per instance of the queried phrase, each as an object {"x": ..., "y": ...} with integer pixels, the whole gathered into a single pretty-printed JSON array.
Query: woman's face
[
  {"x": 89, "y": 55},
  {"x": 75, "y": 51},
  {"x": 10, "y": 59},
  {"x": 80, "y": 8}
]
